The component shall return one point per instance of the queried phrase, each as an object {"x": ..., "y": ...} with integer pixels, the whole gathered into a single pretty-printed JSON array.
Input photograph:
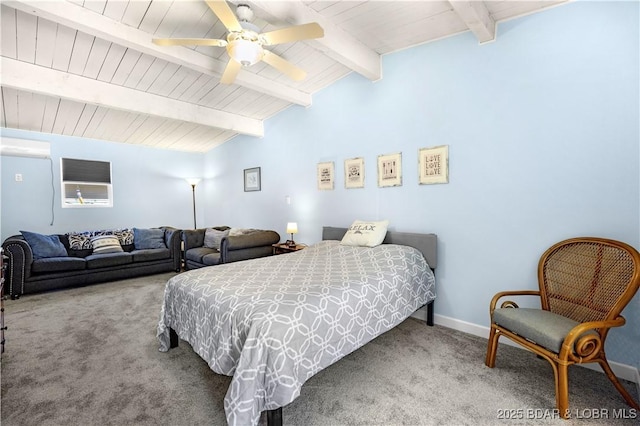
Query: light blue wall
[
  {"x": 148, "y": 187},
  {"x": 543, "y": 132}
]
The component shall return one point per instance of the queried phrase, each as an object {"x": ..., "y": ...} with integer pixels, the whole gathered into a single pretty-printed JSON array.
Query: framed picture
[
  {"x": 252, "y": 179},
  {"x": 325, "y": 175},
  {"x": 390, "y": 170},
  {"x": 433, "y": 165},
  {"x": 354, "y": 173}
]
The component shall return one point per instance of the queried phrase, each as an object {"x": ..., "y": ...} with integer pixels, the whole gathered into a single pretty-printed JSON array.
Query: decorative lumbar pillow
[
  {"x": 44, "y": 246},
  {"x": 105, "y": 244},
  {"x": 213, "y": 238},
  {"x": 365, "y": 233},
  {"x": 144, "y": 239}
]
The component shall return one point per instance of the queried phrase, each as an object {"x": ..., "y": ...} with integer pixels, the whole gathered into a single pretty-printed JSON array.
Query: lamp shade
[
  {"x": 192, "y": 181},
  {"x": 292, "y": 228}
]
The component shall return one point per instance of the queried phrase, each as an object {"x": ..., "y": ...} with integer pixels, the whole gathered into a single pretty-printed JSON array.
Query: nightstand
[{"x": 285, "y": 248}]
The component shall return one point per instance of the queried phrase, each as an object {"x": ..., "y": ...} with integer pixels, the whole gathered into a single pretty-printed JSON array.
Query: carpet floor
[{"x": 89, "y": 356}]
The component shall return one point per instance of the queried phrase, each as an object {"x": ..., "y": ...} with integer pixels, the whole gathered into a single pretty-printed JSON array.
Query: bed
[{"x": 272, "y": 323}]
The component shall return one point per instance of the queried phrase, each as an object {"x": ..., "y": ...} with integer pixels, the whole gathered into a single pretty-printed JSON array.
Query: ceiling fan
[{"x": 245, "y": 43}]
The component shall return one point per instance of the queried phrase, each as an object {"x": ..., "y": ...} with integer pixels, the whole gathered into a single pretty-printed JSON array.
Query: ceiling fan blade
[
  {"x": 295, "y": 33},
  {"x": 230, "y": 72},
  {"x": 189, "y": 42},
  {"x": 225, "y": 14},
  {"x": 284, "y": 66}
]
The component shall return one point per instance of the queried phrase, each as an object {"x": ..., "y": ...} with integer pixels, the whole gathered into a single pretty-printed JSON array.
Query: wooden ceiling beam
[
  {"x": 477, "y": 18},
  {"x": 84, "y": 20},
  {"x": 336, "y": 43},
  {"x": 46, "y": 81}
]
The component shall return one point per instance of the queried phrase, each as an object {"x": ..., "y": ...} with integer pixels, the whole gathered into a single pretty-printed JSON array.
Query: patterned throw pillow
[
  {"x": 79, "y": 240},
  {"x": 105, "y": 244},
  {"x": 365, "y": 234},
  {"x": 213, "y": 238}
]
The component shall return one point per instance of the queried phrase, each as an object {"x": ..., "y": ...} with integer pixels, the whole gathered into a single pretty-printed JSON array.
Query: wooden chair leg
[
  {"x": 623, "y": 391},
  {"x": 562, "y": 389},
  {"x": 492, "y": 348}
]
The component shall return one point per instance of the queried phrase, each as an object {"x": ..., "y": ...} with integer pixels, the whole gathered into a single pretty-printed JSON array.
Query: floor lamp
[{"x": 193, "y": 182}]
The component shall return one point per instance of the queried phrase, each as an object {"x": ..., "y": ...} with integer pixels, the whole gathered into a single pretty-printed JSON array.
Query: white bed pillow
[{"x": 365, "y": 233}]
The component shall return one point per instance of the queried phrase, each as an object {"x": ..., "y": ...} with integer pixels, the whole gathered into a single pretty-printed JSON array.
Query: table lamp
[{"x": 292, "y": 228}]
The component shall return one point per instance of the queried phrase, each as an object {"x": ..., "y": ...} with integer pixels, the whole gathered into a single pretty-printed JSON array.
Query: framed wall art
[
  {"x": 433, "y": 165},
  {"x": 252, "y": 179},
  {"x": 354, "y": 173},
  {"x": 326, "y": 175},
  {"x": 390, "y": 170}
]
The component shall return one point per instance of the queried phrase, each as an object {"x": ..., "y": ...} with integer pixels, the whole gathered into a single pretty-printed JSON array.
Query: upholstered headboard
[{"x": 426, "y": 243}]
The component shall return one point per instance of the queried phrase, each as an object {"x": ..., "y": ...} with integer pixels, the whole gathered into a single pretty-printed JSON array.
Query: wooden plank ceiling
[{"x": 88, "y": 68}]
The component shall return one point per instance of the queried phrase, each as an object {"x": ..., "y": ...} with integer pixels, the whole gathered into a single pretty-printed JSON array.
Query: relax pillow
[
  {"x": 148, "y": 239},
  {"x": 44, "y": 246},
  {"x": 105, "y": 244},
  {"x": 365, "y": 234},
  {"x": 213, "y": 238}
]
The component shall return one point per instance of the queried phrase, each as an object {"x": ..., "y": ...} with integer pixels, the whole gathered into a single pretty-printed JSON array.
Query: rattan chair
[{"x": 584, "y": 285}]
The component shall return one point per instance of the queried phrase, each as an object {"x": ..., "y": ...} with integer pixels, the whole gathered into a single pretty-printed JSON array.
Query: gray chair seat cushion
[
  {"x": 211, "y": 259},
  {"x": 58, "y": 264},
  {"x": 108, "y": 259},
  {"x": 150, "y": 254},
  {"x": 537, "y": 325}
]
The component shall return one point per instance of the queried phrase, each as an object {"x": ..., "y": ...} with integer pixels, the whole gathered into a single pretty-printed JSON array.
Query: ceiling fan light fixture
[{"x": 245, "y": 52}]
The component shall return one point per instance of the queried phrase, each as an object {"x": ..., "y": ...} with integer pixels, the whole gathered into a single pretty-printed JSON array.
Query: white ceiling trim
[
  {"x": 336, "y": 43},
  {"x": 33, "y": 78},
  {"x": 82, "y": 19},
  {"x": 477, "y": 18}
]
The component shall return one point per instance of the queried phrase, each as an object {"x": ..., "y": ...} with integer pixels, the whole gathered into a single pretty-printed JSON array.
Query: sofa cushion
[
  {"x": 108, "y": 259},
  {"x": 198, "y": 253},
  {"x": 213, "y": 238},
  {"x": 58, "y": 264},
  {"x": 105, "y": 244},
  {"x": 211, "y": 259},
  {"x": 44, "y": 246},
  {"x": 150, "y": 254},
  {"x": 148, "y": 238}
]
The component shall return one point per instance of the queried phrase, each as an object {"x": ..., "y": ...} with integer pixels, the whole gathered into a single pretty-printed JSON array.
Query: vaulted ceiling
[{"x": 88, "y": 68}]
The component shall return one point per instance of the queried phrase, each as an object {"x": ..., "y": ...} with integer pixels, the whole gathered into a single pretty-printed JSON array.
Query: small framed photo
[
  {"x": 252, "y": 179},
  {"x": 390, "y": 170},
  {"x": 354, "y": 173},
  {"x": 325, "y": 175},
  {"x": 433, "y": 165}
]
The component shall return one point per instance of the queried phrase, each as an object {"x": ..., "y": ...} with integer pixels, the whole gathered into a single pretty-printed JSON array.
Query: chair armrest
[
  {"x": 498, "y": 296},
  {"x": 172, "y": 238},
  {"x": 19, "y": 265},
  {"x": 585, "y": 339}
]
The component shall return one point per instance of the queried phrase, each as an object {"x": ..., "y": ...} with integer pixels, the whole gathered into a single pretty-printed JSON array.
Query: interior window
[{"x": 86, "y": 183}]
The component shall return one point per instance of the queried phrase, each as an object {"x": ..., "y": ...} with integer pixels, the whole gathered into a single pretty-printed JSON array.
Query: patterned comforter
[{"x": 274, "y": 322}]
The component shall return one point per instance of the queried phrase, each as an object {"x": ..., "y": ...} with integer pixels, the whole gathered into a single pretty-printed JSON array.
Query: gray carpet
[{"x": 89, "y": 356}]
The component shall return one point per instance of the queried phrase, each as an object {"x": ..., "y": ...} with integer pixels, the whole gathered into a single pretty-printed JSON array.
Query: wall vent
[{"x": 24, "y": 148}]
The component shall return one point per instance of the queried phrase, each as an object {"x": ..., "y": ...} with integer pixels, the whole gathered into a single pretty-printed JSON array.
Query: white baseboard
[{"x": 623, "y": 371}]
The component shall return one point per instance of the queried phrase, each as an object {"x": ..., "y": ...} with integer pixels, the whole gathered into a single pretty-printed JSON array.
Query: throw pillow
[
  {"x": 44, "y": 246},
  {"x": 213, "y": 238},
  {"x": 144, "y": 239},
  {"x": 365, "y": 234},
  {"x": 79, "y": 241},
  {"x": 105, "y": 244}
]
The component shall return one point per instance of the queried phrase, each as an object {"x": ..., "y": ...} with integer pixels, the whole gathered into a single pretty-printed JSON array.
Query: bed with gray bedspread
[{"x": 272, "y": 323}]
